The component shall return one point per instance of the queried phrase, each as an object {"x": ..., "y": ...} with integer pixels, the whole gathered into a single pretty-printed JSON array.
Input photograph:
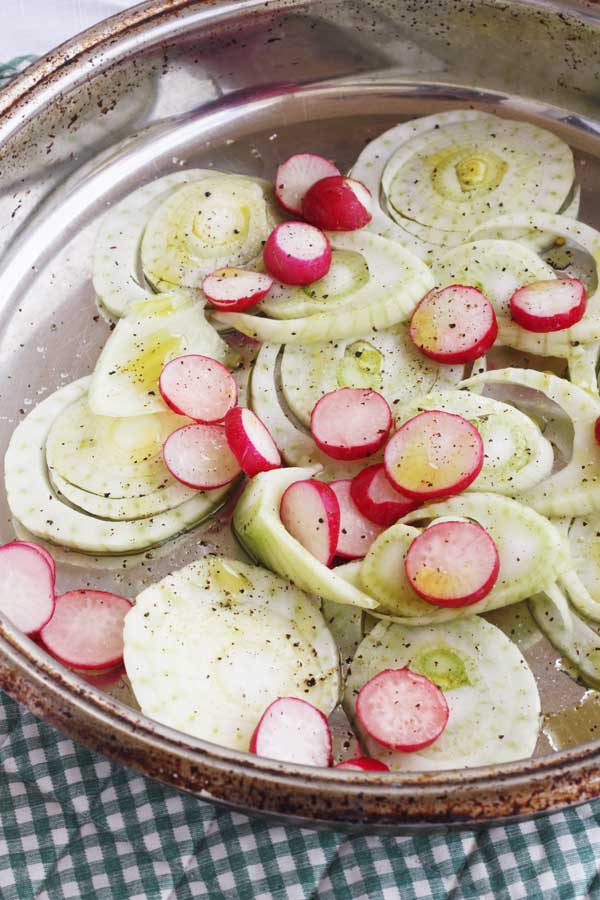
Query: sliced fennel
[
  {"x": 531, "y": 551},
  {"x": 35, "y": 504},
  {"x": 583, "y": 584},
  {"x": 116, "y": 269},
  {"x": 389, "y": 297},
  {"x": 575, "y": 489},
  {"x": 387, "y": 362},
  {"x": 490, "y": 690},
  {"x": 219, "y": 220},
  {"x": 258, "y": 526},
  {"x": 579, "y": 641},
  {"x": 125, "y": 379},
  {"x": 516, "y": 454},
  {"x": 346, "y": 625},
  {"x": 208, "y": 648}
]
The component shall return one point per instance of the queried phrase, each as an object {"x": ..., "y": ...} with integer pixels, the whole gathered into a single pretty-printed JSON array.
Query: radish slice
[
  {"x": 402, "y": 710},
  {"x": 310, "y": 511},
  {"x": 377, "y": 499},
  {"x": 250, "y": 442},
  {"x": 41, "y": 550},
  {"x": 297, "y": 253},
  {"x": 357, "y": 533},
  {"x": 296, "y": 175},
  {"x": 363, "y": 764},
  {"x": 86, "y": 629},
  {"x": 294, "y": 731},
  {"x": 199, "y": 456},
  {"x": 434, "y": 455},
  {"x": 454, "y": 325},
  {"x": 545, "y": 306},
  {"x": 234, "y": 290},
  {"x": 198, "y": 387},
  {"x": 338, "y": 204},
  {"x": 597, "y": 430},
  {"x": 351, "y": 423},
  {"x": 27, "y": 580},
  {"x": 452, "y": 563}
]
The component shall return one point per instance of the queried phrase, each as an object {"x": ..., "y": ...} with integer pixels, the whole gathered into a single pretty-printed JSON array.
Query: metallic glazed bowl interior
[{"x": 240, "y": 86}]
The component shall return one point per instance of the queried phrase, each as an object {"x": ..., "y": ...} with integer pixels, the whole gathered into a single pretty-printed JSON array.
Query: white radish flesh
[
  {"x": 250, "y": 442},
  {"x": 377, "y": 499},
  {"x": 42, "y": 551},
  {"x": 86, "y": 629},
  {"x": 402, "y": 710},
  {"x": 310, "y": 511},
  {"x": 234, "y": 290},
  {"x": 27, "y": 580},
  {"x": 546, "y": 306},
  {"x": 434, "y": 455},
  {"x": 297, "y": 253},
  {"x": 294, "y": 731},
  {"x": 357, "y": 533},
  {"x": 351, "y": 423},
  {"x": 199, "y": 456},
  {"x": 456, "y": 324},
  {"x": 296, "y": 175},
  {"x": 198, "y": 387},
  {"x": 338, "y": 204},
  {"x": 452, "y": 564}
]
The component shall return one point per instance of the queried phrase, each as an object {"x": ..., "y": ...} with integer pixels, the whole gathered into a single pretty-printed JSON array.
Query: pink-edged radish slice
[
  {"x": 293, "y": 731},
  {"x": 86, "y": 629},
  {"x": 296, "y": 175},
  {"x": 297, "y": 253},
  {"x": 337, "y": 203},
  {"x": 199, "y": 457},
  {"x": 363, "y": 764},
  {"x": 402, "y": 710},
  {"x": 434, "y": 455},
  {"x": 597, "y": 430},
  {"x": 351, "y": 423},
  {"x": 377, "y": 499},
  {"x": 454, "y": 325},
  {"x": 357, "y": 533},
  {"x": 545, "y": 306},
  {"x": 452, "y": 564},
  {"x": 310, "y": 511},
  {"x": 198, "y": 387},
  {"x": 27, "y": 579},
  {"x": 250, "y": 442},
  {"x": 234, "y": 290},
  {"x": 41, "y": 550}
]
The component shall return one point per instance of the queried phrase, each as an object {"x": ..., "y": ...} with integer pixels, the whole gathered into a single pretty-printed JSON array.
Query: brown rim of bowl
[{"x": 312, "y": 796}]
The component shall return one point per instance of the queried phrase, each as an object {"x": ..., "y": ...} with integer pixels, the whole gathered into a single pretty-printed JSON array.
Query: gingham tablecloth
[{"x": 73, "y": 824}]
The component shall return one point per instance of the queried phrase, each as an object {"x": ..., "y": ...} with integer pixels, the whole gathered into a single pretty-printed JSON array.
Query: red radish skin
[
  {"x": 41, "y": 550},
  {"x": 27, "y": 580},
  {"x": 86, "y": 629},
  {"x": 294, "y": 731},
  {"x": 454, "y": 325},
  {"x": 337, "y": 203},
  {"x": 377, "y": 499},
  {"x": 546, "y": 306},
  {"x": 198, "y": 387},
  {"x": 351, "y": 423},
  {"x": 250, "y": 442},
  {"x": 402, "y": 710},
  {"x": 597, "y": 430},
  {"x": 434, "y": 455},
  {"x": 452, "y": 564},
  {"x": 357, "y": 533},
  {"x": 234, "y": 290},
  {"x": 310, "y": 511},
  {"x": 296, "y": 175},
  {"x": 297, "y": 253},
  {"x": 199, "y": 457},
  {"x": 363, "y": 764}
]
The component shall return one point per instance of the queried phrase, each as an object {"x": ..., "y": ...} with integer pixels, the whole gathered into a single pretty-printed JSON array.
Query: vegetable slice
[
  {"x": 452, "y": 564},
  {"x": 293, "y": 731},
  {"x": 401, "y": 710},
  {"x": 377, "y": 499},
  {"x": 200, "y": 456},
  {"x": 250, "y": 442},
  {"x": 357, "y": 533},
  {"x": 296, "y": 175},
  {"x": 210, "y": 646},
  {"x": 337, "y": 203},
  {"x": 297, "y": 253},
  {"x": 577, "y": 640},
  {"x": 547, "y": 306},
  {"x": 86, "y": 629},
  {"x": 433, "y": 455},
  {"x": 351, "y": 423},
  {"x": 310, "y": 511},
  {"x": 28, "y": 586},
  {"x": 236, "y": 289},
  {"x": 454, "y": 325},
  {"x": 198, "y": 387},
  {"x": 491, "y": 692},
  {"x": 363, "y": 764}
]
